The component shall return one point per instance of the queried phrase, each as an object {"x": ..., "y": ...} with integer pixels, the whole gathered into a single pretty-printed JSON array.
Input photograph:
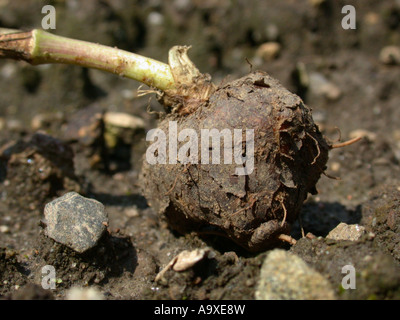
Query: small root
[
  {"x": 170, "y": 264},
  {"x": 250, "y": 65},
  {"x": 160, "y": 115},
  {"x": 172, "y": 188},
  {"x": 176, "y": 179},
  {"x": 301, "y": 225},
  {"x": 330, "y": 141},
  {"x": 284, "y": 213},
  {"x": 345, "y": 144},
  {"x": 316, "y": 144},
  {"x": 250, "y": 206},
  {"x": 287, "y": 238},
  {"x": 144, "y": 92},
  {"x": 286, "y": 155},
  {"x": 331, "y": 177},
  {"x": 340, "y": 134}
]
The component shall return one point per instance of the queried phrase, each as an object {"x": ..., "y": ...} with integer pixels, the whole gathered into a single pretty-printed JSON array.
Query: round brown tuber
[
  {"x": 252, "y": 200},
  {"x": 252, "y": 209}
]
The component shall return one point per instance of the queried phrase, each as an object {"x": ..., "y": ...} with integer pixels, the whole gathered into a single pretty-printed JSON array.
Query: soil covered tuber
[{"x": 255, "y": 208}]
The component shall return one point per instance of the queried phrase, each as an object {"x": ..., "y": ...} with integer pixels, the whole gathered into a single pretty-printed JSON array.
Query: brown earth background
[{"x": 341, "y": 74}]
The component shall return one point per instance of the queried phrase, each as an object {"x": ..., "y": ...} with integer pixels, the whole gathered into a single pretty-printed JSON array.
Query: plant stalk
[{"x": 40, "y": 47}]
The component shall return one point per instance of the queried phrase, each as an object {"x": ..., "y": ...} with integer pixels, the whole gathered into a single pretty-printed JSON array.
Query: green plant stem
[{"x": 40, "y": 47}]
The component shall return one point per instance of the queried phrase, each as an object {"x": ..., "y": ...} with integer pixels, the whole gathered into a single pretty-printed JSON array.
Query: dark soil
[{"x": 65, "y": 105}]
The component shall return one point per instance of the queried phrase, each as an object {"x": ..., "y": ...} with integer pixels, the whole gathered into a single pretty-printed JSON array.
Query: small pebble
[
  {"x": 371, "y": 18},
  {"x": 334, "y": 166},
  {"x": 371, "y": 136},
  {"x": 390, "y": 55},
  {"x": 302, "y": 74},
  {"x": 8, "y": 70},
  {"x": 187, "y": 259},
  {"x": 182, "y": 4},
  {"x": 285, "y": 276},
  {"x": 272, "y": 32},
  {"x": 343, "y": 231},
  {"x": 183, "y": 261},
  {"x": 43, "y": 120},
  {"x": 131, "y": 212},
  {"x": 128, "y": 94},
  {"x": 396, "y": 137},
  {"x": 121, "y": 126},
  {"x": 76, "y": 293},
  {"x": 269, "y": 51},
  {"x": 321, "y": 86},
  {"x": 75, "y": 221},
  {"x": 14, "y": 125},
  {"x": 4, "y": 229},
  {"x": 123, "y": 120},
  {"x": 155, "y": 18}
]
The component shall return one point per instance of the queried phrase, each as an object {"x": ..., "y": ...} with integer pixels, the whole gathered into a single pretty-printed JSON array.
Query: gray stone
[
  {"x": 285, "y": 276},
  {"x": 75, "y": 221}
]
